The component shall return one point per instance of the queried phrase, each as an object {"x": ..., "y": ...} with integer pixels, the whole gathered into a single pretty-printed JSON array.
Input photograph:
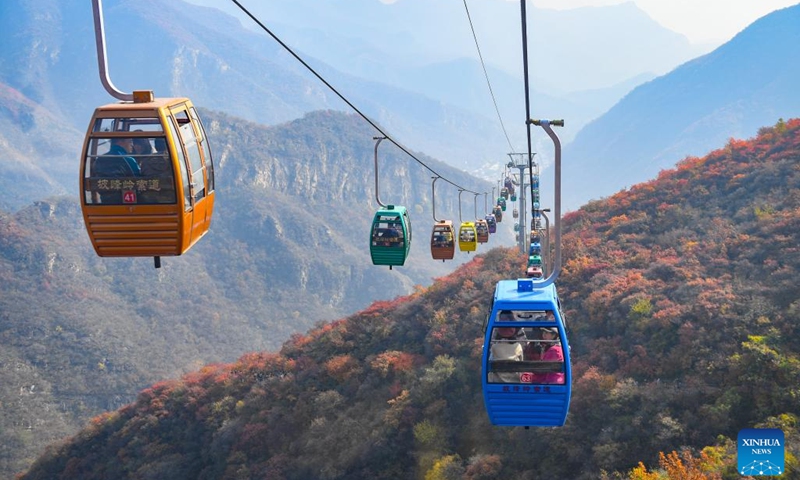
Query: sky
[{"x": 701, "y": 21}]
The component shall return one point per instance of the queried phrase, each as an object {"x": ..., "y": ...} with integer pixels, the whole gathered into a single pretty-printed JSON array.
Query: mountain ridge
[
  {"x": 690, "y": 110},
  {"x": 680, "y": 296}
]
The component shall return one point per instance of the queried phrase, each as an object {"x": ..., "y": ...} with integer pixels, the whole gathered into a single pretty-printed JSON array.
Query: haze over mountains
[
  {"x": 746, "y": 83},
  {"x": 49, "y": 58}
]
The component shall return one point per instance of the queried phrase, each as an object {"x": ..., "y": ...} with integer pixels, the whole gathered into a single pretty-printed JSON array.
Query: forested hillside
[
  {"x": 683, "y": 302},
  {"x": 288, "y": 247}
]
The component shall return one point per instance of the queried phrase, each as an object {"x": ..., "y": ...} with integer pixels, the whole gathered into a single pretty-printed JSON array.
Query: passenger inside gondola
[
  {"x": 506, "y": 346},
  {"x": 157, "y": 169},
  {"x": 545, "y": 347},
  {"x": 388, "y": 235},
  {"x": 124, "y": 148}
]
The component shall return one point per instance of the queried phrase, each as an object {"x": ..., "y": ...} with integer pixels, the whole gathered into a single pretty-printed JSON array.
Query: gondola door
[{"x": 196, "y": 171}]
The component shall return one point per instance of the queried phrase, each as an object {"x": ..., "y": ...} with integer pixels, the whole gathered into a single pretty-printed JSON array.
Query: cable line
[
  {"x": 345, "y": 100},
  {"x": 486, "y": 74},
  {"x": 527, "y": 94}
]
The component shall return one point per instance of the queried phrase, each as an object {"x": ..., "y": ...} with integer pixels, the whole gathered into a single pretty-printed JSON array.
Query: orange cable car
[
  {"x": 147, "y": 178},
  {"x": 443, "y": 244}
]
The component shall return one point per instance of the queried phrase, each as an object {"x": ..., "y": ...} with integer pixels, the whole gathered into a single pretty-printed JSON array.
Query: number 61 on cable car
[{"x": 526, "y": 372}]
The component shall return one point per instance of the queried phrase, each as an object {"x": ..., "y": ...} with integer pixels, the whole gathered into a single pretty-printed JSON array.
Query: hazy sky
[{"x": 701, "y": 21}]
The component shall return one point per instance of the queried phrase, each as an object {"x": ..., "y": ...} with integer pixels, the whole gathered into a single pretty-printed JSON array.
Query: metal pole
[
  {"x": 433, "y": 198},
  {"x": 100, "y": 41},
  {"x": 546, "y": 259},
  {"x": 377, "y": 196},
  {"x": 459, "y": 206},
  {"x": 546, "y": 125}
]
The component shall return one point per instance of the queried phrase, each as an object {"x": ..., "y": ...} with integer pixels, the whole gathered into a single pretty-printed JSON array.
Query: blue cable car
[{"x": 526, "y": 371}]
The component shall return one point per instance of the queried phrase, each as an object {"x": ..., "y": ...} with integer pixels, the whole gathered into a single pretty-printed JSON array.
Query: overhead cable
[
  {"x": 344, "y": 99},
  {"x": 486, "y": 75}
]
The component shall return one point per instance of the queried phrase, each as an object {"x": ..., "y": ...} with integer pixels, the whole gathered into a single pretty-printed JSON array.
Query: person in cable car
[
  {"x": 507, "y": 345},
  {"x": 124, "y": 148},
  {"x": 548, "y": 349},
  {"x": 392, "y": 236},
  {"x": 141, "y": 146}
]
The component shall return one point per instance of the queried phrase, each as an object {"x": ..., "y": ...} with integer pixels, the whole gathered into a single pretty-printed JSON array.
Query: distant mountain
[
  {"x": 288, "y": 247},
  {"x": 427, "y": 47},
  {"x": 682, "y": 297},
  {"x": 746, "y": 83},
  {"x": 179, "y": 49},
  {"x": 38, "y": 152}
]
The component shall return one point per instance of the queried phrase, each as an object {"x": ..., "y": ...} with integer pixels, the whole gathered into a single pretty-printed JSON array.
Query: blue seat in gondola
[{"x": 529, "y": 386}]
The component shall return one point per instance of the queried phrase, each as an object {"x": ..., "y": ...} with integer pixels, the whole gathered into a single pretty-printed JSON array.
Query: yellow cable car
[
  {"x": 443, "y": 245},
  {"x": 147, "y": 178},
  {"x": 467, "y": 237}
]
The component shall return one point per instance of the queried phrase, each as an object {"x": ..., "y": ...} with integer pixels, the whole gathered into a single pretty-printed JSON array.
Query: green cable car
[{"x": 390, "y": 238}]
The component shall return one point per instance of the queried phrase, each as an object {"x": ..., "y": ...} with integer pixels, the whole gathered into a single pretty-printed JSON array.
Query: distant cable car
[
  {"x": 492, "y": 222},
  {"x": 443, "y": 243},
  {"x": 516, "y": 227},
  {"x": 503, "y": 194},
  {"x": 513, "y": 197},
  {"x": 526, "y": 371},
  {"x": 498, "y": 213},
  {"x": 467, "y": 237},
  {"x": 147, "y": 178},
  {"x": 390, "y": 240},
  {"x": 508, "y": 184},
  {"x": 535, "y": 249},
  {"x": 515, "y": 213},
  {"x": 501, "y": 202},
  {"x": 482, "y": 229}
]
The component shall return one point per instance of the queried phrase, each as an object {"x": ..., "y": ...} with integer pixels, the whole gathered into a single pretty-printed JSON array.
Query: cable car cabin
[
  {"x": 502, "y": 204},
  {"x": 526, "y": 372},
  {"x": 513, "y": 197},
  {"x": 535, "y": 249},
  {"x": 515, "y": 213},
  {"x": 503, "y": 193},
  {"x": 508, "y": 184},
  {"x": 516, "y": 227},
  {"x": 482, "y": 229},
  {"x": 390, "y": 240},
  {"x": 498, "y": 213},
  {"x": 147, "y": 179},
  {"x": 467, "y": 237},
  {"x": 443, "y": 241},
  {"x": 492, "y": 222},
  {"x": 534, "y": 271}
]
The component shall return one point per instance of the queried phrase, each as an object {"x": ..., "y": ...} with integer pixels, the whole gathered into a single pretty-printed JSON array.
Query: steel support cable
[
  {"x": 486, "y": 74},
  {"x": 343, "y": 98},
  {"x": 527, "y": 98}
]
